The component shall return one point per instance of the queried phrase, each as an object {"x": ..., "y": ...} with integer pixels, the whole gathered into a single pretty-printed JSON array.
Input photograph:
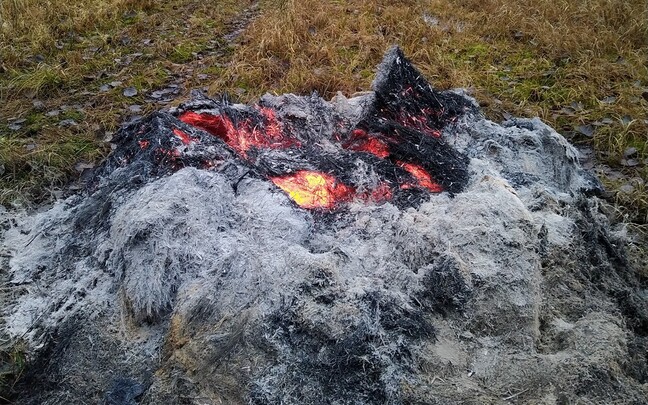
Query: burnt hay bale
[{"x": 392, "y": 248}]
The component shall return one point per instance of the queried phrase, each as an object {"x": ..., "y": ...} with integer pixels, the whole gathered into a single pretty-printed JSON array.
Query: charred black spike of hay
[{"x": 401, "y": 92}]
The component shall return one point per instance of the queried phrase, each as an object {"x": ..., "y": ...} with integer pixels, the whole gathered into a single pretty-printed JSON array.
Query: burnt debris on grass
[{"x": 199, "y": 266}]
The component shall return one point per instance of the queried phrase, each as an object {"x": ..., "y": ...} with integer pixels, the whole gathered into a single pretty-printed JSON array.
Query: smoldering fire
[
  {"x": 320, "y": 157},
  {"x": 391, "y": 248}
]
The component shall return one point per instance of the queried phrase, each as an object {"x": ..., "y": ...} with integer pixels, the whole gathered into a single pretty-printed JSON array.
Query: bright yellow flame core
[{"x": 313, "y": 189}]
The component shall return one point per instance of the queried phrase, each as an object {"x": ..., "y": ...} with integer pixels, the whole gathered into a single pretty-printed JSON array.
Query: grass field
[{"x": 65, "y": 66}]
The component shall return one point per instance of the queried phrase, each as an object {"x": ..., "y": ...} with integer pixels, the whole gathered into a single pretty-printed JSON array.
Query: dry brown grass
[
  {"x": 36, "y": 25},
  {"x": 570, "y": 63}
]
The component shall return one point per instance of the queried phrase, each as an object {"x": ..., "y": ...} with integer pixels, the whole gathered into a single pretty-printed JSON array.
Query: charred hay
[{"x": 392, "y": 248}]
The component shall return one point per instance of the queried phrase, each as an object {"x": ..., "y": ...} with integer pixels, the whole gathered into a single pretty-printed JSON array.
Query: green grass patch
[
  {"x": 184, "y": 52},
  {"x": 152, "y": 78},
  {"x": 44, "y": 78}
]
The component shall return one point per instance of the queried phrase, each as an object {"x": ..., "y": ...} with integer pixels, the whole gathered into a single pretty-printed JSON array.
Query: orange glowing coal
[
  {"x": 184, "y": 138},
  {"x": 308, "y": 189},
  {"x": 422, "y": 177},
  {"x": 313, "y": 189},
  {"x": 245, "y": 135},
  {"x": 362, "y": 142},
  {"x": 214, "y": 124},
  {"x": 380, "y": 194}
]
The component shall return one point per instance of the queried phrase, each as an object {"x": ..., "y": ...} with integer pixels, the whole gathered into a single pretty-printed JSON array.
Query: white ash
[{"x": 190, "y": 290}]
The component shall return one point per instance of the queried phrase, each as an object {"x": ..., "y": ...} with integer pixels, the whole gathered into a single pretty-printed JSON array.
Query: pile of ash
[
  {"x": 391, "y": 248},
  {"x": 386, "y": 146}
]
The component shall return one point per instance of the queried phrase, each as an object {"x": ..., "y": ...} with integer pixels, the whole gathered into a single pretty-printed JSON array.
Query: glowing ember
[
  {"x": 216, "y": 125},
  {"x": 422, "y": 176},
  {"x": 362, "y": 142},
  {"x": 186, "y": 139},
  {"x": 246, "y": 134},
  {"x": 382, "y": 193},
  {"x": 274, "y": 136},
  {"x": 313, "y": 189},
  {"x": 420, "y": 123}
]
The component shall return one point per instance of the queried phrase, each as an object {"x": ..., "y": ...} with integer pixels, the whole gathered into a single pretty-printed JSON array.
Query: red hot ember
[
  {"x": 246, "y": 134},
  {"x": 391, "y": 150}
]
